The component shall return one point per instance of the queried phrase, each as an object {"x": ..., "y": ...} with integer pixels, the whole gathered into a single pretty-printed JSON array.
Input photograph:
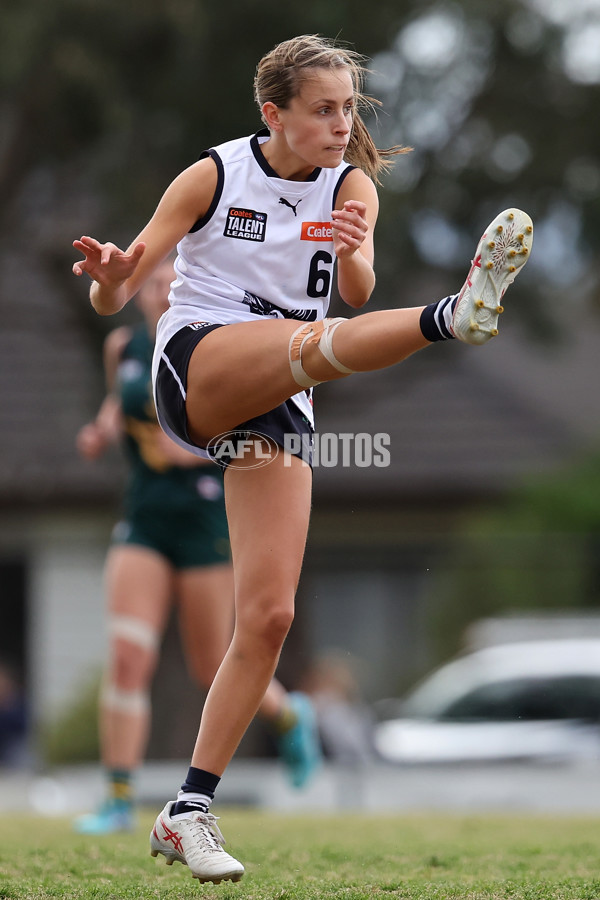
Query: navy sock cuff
[
  {"x": 432, "y": 322},
  {"x": 429, "y": 328},
  {"x": 200, "y": 782}
]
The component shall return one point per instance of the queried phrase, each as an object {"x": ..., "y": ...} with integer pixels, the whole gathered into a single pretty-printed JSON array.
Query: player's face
[{"x": 317, "y": 123}]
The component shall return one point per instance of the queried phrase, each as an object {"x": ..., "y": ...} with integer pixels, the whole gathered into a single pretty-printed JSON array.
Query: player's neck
[{"x": 285, "y": 163}]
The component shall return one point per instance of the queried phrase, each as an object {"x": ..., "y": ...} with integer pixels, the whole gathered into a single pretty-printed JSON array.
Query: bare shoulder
[
  {"x": 358, "y": 186},
  {"x": 198, "y": 182}
]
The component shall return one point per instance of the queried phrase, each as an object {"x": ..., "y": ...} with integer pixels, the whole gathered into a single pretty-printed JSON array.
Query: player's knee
[
  {"x": 277, "y": 624},
  {"x": 134, "y": 649},
  {"x": 131, "y": 666},
  {"x": 266, "y": 626},
  {"x": 312, "y": 344}
]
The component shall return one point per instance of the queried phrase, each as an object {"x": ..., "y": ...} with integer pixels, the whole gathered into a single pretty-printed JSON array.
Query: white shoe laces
[{"x": 206, "y": 831}]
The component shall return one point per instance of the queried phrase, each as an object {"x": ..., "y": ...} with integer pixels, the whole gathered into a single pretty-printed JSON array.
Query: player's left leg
[{"x": 268, "y": 516}]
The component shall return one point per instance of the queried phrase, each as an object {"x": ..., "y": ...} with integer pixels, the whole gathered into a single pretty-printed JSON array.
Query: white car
[{"x": 530, "y": 700}]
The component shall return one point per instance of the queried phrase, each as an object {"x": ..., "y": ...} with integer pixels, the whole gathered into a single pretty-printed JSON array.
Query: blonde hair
[{"x": 279, "y": 78}]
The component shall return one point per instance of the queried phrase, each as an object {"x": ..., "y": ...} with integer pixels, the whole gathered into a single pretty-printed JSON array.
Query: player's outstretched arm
[{"x": 119, "y": 274}]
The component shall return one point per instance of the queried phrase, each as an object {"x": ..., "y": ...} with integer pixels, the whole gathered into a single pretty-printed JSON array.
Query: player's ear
[{"x": 271, "y": 118}]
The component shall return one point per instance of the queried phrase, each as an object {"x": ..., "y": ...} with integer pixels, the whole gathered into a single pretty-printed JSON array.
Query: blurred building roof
[{"x": 467, "y": 422}]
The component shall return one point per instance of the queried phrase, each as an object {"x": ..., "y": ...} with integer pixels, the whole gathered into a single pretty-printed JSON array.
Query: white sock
[{"x": 188, "y": 803}]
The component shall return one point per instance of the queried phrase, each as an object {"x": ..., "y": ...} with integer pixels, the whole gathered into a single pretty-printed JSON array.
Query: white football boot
[
  {"x": 196, "y": 842},
  {"x": 503, "y": 250}
]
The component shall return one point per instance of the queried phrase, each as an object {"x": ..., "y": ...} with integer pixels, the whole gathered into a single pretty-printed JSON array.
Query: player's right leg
[{"x": 243, "y": 370}]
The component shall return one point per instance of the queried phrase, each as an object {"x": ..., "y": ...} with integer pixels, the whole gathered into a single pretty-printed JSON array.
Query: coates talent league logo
[{"x": 245, "y": 224}]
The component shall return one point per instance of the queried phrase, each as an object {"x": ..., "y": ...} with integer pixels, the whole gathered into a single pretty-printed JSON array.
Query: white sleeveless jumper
[{"x": 263, "y": 249}]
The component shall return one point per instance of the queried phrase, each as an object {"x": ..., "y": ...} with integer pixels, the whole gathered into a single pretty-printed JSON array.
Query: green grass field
[{"x": 303, "y": 858}]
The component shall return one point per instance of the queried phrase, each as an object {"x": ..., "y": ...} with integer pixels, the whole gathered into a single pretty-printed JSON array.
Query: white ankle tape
[{"x": 321, "y": 332}]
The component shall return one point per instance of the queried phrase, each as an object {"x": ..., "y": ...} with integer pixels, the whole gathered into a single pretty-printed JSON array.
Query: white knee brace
[
  {"x": 142, "y": 634},
  {"x": 118, "y": 700},
  {"x": 134, "y": 630},
  {"x": 314, "y": 332}
]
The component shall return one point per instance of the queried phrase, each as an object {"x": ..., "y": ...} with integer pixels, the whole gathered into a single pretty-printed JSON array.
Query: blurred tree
[
  {"x": 499, "y": 102},
  {"x": 133, "y": 92}
]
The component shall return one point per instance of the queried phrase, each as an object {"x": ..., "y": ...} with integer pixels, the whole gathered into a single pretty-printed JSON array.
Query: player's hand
[
  {"x": 106, "y": 263},
  {"x": 91, "y": 442},
  {"x": 349, "y": 227}
]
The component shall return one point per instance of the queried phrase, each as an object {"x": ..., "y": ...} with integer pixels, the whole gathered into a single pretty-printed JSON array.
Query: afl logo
[{"x": 247, "y": 449}]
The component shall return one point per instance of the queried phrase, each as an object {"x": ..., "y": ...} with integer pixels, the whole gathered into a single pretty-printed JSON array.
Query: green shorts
[{"x": 188, "y": 529}]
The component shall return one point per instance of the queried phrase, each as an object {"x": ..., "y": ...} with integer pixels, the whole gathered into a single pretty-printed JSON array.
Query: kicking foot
[
  {"x": 196, "y": 842},
  {"x": 113, "y": 816},
  {"x": 300, "y": 747},
  {"x": 502, "y": 251}
]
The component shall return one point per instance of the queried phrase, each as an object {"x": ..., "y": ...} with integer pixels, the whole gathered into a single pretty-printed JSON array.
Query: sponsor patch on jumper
[
  {"x": 316, "y": 231},
  {"x": 246, "y": 224}
]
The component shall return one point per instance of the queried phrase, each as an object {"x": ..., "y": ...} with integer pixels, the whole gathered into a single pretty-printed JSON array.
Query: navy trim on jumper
[
  {"x": 339, "y": 183},
  {"x": 218, "y": 191}
]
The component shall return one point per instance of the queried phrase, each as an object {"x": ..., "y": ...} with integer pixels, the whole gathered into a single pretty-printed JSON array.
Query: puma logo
[{"x": 291, "y": 205}]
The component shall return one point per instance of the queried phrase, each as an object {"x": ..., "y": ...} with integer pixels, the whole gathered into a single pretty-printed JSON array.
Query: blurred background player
[
  {"x": 172, "y": 545},
  {"x": 344, "y": 719}
]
